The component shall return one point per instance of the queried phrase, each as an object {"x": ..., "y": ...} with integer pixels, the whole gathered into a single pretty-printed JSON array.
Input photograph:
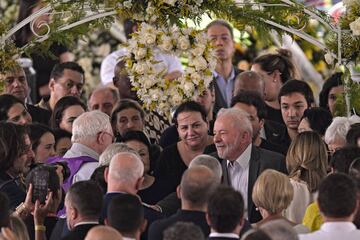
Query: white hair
[
  {"x": 338, "y": 129},
  {"x": 208, "y": 161},
  {"x": 111, "y": 150},
  {"x": 89, "y": 124},
  {"x": 279, "y": 230},
  {"x": 126, "y": 167},
  {"x": 240, "y": 117}
]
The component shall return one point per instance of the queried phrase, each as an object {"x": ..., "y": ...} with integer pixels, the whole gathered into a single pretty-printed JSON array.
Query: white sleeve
[{"x": 108, "y": 66}]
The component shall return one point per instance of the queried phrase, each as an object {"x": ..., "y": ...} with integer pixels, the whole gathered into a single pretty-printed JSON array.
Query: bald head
[
  {"x": 249, "y": 81},
  {"x": 197, "y": 184},
  {"x": 126, "y": 168},
  {"x": 103, "y": 233}
]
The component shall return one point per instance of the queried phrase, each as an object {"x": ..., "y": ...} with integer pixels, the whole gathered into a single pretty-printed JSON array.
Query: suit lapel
[{"x": 253, "y": 174}]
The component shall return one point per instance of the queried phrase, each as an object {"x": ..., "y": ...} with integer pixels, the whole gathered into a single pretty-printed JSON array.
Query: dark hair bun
[{"x": 285, "y": 53}]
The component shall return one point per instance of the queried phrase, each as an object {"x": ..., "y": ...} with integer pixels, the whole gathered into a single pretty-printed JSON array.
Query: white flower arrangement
[{"x": 148, "y": 76}]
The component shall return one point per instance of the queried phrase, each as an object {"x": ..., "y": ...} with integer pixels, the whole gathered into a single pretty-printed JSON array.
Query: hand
[
  {"x": 28, "y": 203},
  {"x": 54, "y": 205},
  {"x": 7, "y": 234},
  {"x": 42, "y": 210}
]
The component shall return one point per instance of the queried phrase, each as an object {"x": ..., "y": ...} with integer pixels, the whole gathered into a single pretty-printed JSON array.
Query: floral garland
[{"x": 147, "y": 78}]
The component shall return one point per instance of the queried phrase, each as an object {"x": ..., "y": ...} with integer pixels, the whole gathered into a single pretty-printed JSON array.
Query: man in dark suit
[
  {"x": 242, "y": 161},
  {"x": 197, "y": 184},
  {"x": 125, "y": 176},
  {"x": 17, "y": 85},
  {"x": 225, "y": 214},
  {"x": 83, "y": 204},
  {"x": 221, "y": 34},
  {"x": 126, "y": 214}
]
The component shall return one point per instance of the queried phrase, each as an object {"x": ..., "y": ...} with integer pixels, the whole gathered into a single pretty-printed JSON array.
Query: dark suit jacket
[
  {"x": 219, "y": 99},
  {"x": 260, "y": 160},
  {"x": 276, "y": 133},
  {"x": 79, "y": 232},
  {"x": 38, "y": 114},
  {"x": 198, "y": 218}
]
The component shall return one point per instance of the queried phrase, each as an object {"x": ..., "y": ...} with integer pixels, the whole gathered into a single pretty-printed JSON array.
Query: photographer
[{"x": 42, "y": 201}]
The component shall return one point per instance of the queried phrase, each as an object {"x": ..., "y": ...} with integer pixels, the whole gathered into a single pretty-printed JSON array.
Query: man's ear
[
  {"x": 178, "y": 192},
  {"x": 262, "y": 121},
  {"x": 106, "y": 222},
  {"x": 106, "y": 174},
  {"x": 143, "y": 225},
  {"x": 52, "y": 85},
  {"x": 207, "y": 219},
  {"x": 139, "y": 183}
]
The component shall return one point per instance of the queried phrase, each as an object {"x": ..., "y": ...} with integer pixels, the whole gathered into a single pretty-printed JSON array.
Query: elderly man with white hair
[
  {"x": 125, "y": 176},
  {"x": 242, "y": 162},
  {"x": 92, "y": 133}
]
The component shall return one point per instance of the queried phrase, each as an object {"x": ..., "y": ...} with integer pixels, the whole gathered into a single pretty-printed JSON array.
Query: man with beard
[
  {"x": 252, "y": 103},
  {"x": 16, "y": 155},
  {"x": 242, "y": 161}
]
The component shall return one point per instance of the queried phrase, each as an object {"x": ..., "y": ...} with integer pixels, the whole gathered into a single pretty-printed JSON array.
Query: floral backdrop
[{"x": 89, "y": 51}]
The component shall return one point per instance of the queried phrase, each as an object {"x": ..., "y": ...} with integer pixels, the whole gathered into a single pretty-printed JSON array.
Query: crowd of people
[{"x": 252, "y": 157}]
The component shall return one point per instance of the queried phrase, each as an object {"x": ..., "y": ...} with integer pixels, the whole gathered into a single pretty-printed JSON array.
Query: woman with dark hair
[
  {"x": 331, "y": 88},
  {"x": 66, "y": 110},
  {"x": 138, "y": 141},
  {"x": 62, "y": 142},
  {"x": 315, "y": 119},
  {"x": 13, "y": 110},
  {"x": 43, "y": 141},
  {"x": 276, "y": 69},
  {"x": 192, "y": 126},
  {"x": 15, "y": 160},
  {"x": 42, "y": 65}
]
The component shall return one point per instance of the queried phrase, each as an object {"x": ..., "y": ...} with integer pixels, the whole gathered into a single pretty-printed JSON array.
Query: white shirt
[
  {"x": 224, "y": 235},
  {"x": 169, "y": 62},
  {"x": 334, "y": 231},
  {"x": 238, "y": 172},
  {"x": 85, "y": 171},
  {"x": 302, "y": 199}
]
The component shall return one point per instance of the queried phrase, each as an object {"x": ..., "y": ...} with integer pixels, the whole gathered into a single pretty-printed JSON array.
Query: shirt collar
[
  {"x": 86, "y": 222},
  {"x": 244, "y": 158},
  {"x": 231, "y": 77},
  {"x": 338, "y": 227},
  {"x": 225, "y": 235},
  {"x": 78, "y": 149}
]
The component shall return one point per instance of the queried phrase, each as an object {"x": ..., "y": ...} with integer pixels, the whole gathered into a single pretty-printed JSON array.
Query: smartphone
[{"x": 40, "y": 185}]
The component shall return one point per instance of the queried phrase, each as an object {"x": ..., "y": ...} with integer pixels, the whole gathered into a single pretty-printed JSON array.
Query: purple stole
[{"x": 74, "y": 165}]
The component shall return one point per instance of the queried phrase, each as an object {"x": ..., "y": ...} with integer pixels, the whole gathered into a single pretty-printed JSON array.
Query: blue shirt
[{"x": 226, "y": 86}]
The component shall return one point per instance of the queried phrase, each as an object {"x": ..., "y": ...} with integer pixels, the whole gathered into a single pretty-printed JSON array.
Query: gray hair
[
  {"x": 279, "y": 230},
  {"x": 111, "y": 150},
  {"x": 337, "y": 130},
  {"x": 89, "y": 124},
  {"x": 208, "y": 161},
  {"x": 240, "y": 117},
  {"x": 124, "y": 170}
]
